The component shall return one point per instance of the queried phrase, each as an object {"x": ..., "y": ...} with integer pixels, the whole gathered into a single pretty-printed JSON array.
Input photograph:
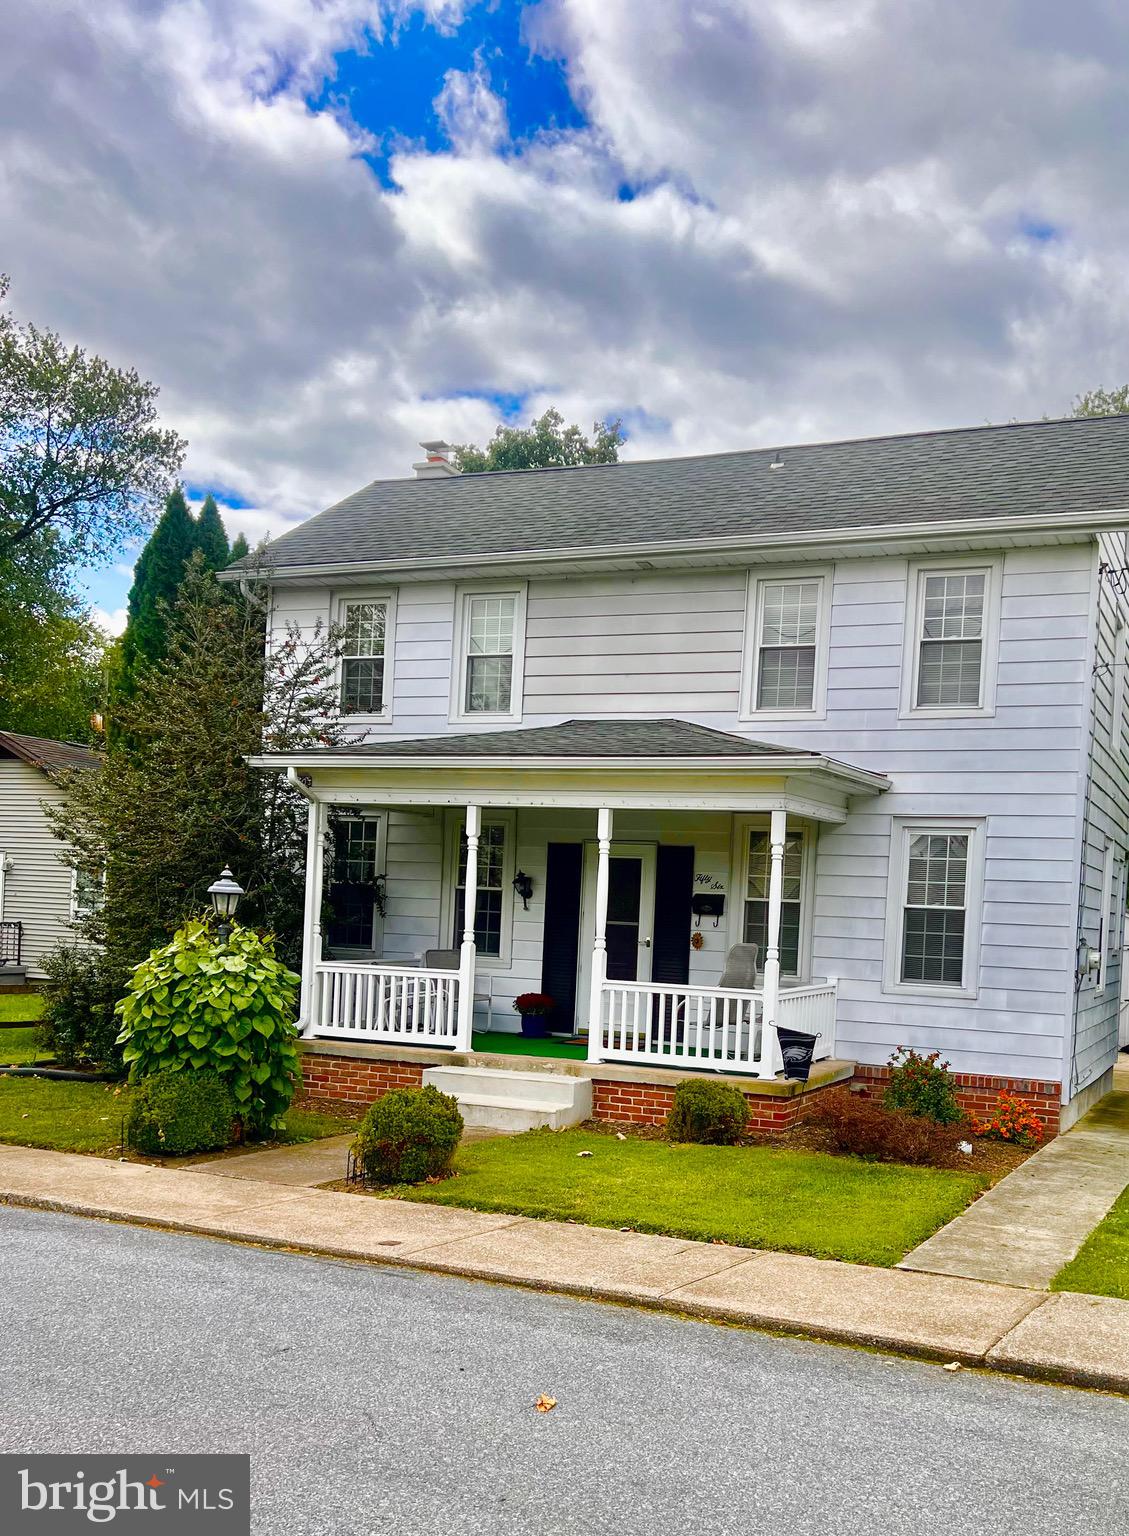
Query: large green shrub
[
  {"x": 922, "y": 1085},
  {"x": 223, "y": 1007},
  {"x": 707, "y": 1112},
  {"x": 408, "y": 1135},
  {"x": 176, "y": 1112},
  {"x": 80, "y": 993}
]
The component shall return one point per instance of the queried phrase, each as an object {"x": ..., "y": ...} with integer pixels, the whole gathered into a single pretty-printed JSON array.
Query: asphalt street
[{"x": 374, "y": 1400}]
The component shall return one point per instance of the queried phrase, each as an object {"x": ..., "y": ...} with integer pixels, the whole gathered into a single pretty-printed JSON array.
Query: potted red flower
[{"x": 535, "y": 1008}]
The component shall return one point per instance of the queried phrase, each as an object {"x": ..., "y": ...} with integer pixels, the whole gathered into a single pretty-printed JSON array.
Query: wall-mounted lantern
[{"x": 523, "y": 886}]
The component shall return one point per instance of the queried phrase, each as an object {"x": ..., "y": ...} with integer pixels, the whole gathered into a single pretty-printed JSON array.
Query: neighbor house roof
[
  {"x": 578, "y": 743},
  {"x": 48, "y": 755},
  {"x": 1069, "y": 468}
]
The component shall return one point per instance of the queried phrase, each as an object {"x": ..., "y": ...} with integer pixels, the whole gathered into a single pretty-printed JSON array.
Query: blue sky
[{"x": 328, "y": 229}]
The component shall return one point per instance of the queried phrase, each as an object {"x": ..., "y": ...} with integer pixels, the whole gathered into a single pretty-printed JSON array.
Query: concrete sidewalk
[
  {"x": 1079, "y": 1339},
  {"x": 1024, "y": 1229}
]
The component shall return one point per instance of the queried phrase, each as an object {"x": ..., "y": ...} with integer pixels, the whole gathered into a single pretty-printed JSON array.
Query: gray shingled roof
[
  {"x": 576, "y": 738},
  {"x": 1071, "y": 466},
  {"x": 45, "y": 754}
]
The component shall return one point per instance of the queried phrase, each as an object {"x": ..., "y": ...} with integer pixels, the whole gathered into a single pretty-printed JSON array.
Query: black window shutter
[
  {"x": 559, "y": 952},
  {"x": 674, "y": 880}
]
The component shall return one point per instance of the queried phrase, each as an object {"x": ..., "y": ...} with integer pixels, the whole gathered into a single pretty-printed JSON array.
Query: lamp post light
[{"x": 225, "y": 893}]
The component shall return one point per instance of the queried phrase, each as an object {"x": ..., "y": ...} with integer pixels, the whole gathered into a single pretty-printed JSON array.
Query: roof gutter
[
  {"x": 785, "y": 763},
  {"x": 1063, "y": 522}
]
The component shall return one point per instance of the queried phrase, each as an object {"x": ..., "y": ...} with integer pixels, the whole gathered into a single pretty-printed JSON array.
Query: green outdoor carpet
[{"x": 502, "y": 1043}]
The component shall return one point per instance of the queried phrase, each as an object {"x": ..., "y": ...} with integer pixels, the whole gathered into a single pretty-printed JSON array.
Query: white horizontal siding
[
  {"x": 37, "y": 886},
  {"x": 654, "y": 644}
]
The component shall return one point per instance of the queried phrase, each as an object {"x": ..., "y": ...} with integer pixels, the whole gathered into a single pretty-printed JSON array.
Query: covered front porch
[{"x": 653, "y": 878}]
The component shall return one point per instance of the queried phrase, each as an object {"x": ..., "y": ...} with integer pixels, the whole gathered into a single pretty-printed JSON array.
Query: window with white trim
[
  {"x": 365, "y": 626},
  {"x": 88, "y": 892},
  {"x": 951, "y": 639},
  {"x": 492, "y": 889},
  {"x": 936, "y": 908},
  {"x": 757, "y": 872},
  {"x": 490, "y": 645},
  {"x": 786, "y": 644},
  {"x": 933, "y": 908}
]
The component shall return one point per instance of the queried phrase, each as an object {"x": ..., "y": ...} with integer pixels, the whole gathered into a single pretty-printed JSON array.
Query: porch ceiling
[{"x": 628, "y": 764}]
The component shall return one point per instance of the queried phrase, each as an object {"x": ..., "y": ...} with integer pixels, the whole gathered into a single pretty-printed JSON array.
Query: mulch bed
[{"x": 992, "y": 1159}]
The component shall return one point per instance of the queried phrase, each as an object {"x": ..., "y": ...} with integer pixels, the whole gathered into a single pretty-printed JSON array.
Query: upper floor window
[
  {"x": 933, "y": 917},
  {"x": 490, "y": 636},
  {"x": 786, "y": 646},
  {"x": 365, "y": 645},
  {"x": 951, "y": 640}
]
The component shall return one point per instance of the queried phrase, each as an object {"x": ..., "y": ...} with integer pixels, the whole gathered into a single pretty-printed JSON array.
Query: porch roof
[{"x": 645, "y": 763}]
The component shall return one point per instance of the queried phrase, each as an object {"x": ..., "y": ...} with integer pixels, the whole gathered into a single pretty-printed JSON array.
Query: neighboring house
[
  {"x": 860, "y": 704},
  {"x": 40, "y": 898}
]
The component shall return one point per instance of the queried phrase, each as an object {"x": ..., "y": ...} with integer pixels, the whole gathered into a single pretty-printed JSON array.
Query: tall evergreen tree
[
  {"x": 156, "y": 582},
  {"x": 240, "y": 549},
  {"x": 211, "y": 537}
]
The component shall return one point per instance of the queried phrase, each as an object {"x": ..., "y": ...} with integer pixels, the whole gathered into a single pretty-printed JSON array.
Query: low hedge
[
  {"x": 174, "y": 1113},
  {"x": 408, "y": 1135},
  {"x": 710, "y": 1113}
]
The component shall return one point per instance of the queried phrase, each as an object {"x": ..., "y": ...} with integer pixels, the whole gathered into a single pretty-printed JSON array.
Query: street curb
[{"x": 1030, "y": 1369}]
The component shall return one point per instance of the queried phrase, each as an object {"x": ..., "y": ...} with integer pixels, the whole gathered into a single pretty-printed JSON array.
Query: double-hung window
[
  {"x": 366, "y": 634},
  {"x": 757, "y": 870},
  {"x": 785, "y": 653},
  {"x": 934, "y": 917},
  {"x": 490, "y": 640},
  {"x": 951, "y": 640},
  {"x": 88, "y": 892},
  {"x": 492, "y": 889}
]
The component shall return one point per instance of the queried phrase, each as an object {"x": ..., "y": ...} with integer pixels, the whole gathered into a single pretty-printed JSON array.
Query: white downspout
[{"x": 600, "y": 942}]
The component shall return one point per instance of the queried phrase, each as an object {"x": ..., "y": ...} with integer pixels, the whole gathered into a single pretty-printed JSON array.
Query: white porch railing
[
  {"x": 709, "y": 1027},
  {"x": 385, "y": 1003}
]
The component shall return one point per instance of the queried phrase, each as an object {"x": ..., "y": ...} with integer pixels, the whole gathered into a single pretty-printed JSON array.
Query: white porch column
[
  {"x": 311, "y": 920},
  {"x": 600, "y": 943},
  {"x": 467, "y": 952},
  {"x": 766, "y": 1060}
]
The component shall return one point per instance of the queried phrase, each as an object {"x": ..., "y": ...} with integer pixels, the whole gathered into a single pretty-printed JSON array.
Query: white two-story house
[{"x": 857, "y": 706}]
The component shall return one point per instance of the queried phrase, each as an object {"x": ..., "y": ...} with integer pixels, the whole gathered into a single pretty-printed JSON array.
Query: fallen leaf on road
[
  {"x": 545, "y": 1403},
  {"x": 953, "y": 1365}
]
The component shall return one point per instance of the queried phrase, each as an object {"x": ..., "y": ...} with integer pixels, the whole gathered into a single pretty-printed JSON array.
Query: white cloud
[
  {"x": 112, "y": 622},
  {"x": 870, "y": 217}
]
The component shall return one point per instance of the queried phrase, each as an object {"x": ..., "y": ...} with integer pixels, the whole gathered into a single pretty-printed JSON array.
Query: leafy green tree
[
  {"x": 157, "y": 577},
  {"x": 1102, "y": 402},
  {"x": 177, "y": 800},
  {"x": 81, "y": 453},
  {"x": 211, "y": 536},
  {"x": 240, "y": 549},
  {"x": 545, "y": 444},
  {"x": 51, "y": 653}
]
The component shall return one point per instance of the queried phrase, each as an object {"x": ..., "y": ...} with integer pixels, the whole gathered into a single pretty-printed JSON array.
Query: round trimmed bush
[
  {"x": 706, "y": 1112},
  {"x": 174, "y": 1113},
  {"x": 408, "y": 1135}
]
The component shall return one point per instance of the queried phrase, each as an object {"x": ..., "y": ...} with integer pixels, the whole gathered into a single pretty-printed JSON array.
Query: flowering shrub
[
  {"x": 533, "y": 1003},
  {"x": 1013, "y": 1119},
  {"x": 922, "y": 1085}
]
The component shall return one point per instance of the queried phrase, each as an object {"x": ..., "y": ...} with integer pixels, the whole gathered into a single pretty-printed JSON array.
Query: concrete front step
[{"x": 514, "y": 1101}]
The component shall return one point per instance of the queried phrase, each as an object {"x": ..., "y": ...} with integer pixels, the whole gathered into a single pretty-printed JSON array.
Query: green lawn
[
  {"x": 87, "y": 1117},
  {"x": 20, "y": 1005},
  {"x": 1101, "y": 1265},
  {"x": 759, "y": 1197},
  {"x": 18, "y": 1046}
]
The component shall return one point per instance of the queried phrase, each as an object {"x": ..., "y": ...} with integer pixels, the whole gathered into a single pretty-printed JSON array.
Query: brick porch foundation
[
  {"x": 977, "y": 1095},
  {"x": 358, "y": 1074}
]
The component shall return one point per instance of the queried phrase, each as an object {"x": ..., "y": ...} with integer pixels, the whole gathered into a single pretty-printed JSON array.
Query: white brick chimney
[{"x": 438, "y": 460}]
